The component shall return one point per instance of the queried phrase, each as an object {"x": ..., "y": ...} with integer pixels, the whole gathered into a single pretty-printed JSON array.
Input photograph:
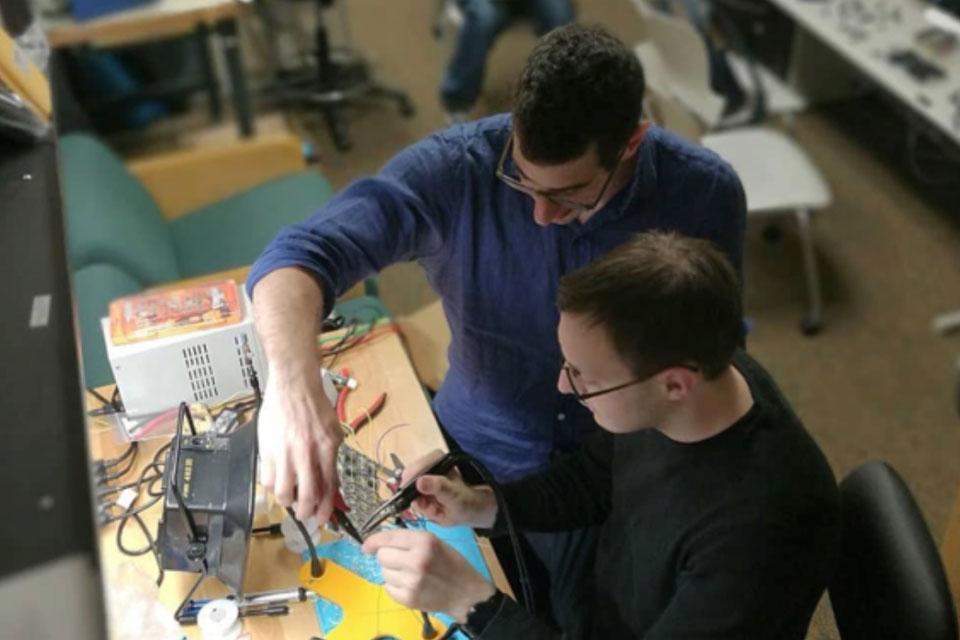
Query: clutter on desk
[{"x": 184, "y": 344}]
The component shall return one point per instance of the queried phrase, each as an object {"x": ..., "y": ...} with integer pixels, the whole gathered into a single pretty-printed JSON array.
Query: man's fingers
[
  {"x": 437, "y": 486},
  {"x": 394, "y": 559},
  {"x": 398, "y": 577},
  {"x": 267, "y": 471},
  {"x": 284, "y": 488},
  {"x": 331, "y": 483},
  {"x": 404, "y": 539},
  {"x": 428, "y": 507},
  {"x": 401, "y": 596},
  {"x": 307, "y": 481},
  {"x": 419, "y": 464}
]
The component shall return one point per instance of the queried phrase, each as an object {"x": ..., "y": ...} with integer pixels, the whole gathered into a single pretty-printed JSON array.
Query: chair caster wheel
[
  {"x": 772, "y": 233},
  {"x": 407, "y": 110},
  {"x": 810, "y": 326}
]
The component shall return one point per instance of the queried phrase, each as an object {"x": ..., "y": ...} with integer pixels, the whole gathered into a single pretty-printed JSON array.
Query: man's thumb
[{"x": 431, "y": 485}]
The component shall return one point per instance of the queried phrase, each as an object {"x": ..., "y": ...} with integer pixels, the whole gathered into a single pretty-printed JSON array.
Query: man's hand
[
  {"x": 298, "y": 430},
  {"x": 447, "y": 500},
  {"x": 299, "y": 436},
  {"x": 421, "y": 572}
]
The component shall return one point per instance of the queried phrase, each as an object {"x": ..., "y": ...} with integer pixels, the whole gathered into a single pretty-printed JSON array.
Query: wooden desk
[
  {"x": 379, "y": 365},
  {"x": 164, "y": 19}
]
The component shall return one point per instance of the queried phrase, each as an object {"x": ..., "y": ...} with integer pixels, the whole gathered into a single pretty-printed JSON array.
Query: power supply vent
[
  {"x": 246, "y": 368},
  {"x": 200, "y": 372}
]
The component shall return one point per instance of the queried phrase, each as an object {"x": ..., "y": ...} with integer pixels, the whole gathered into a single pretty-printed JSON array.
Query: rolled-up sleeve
[{"x": 402, "y": 213}]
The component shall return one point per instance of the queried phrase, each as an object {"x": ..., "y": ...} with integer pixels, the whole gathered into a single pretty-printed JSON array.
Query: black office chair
[{"x": 890, "y": 581}]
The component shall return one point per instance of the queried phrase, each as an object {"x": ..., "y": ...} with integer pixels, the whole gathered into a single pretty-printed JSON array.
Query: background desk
[
  {"x": 867, "y": 47},
  {"x": 164, "y": 19},
  {"x": 379, "y": 365}
]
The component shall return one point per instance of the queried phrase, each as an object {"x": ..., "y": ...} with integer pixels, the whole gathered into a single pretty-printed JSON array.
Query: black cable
[
  {"x": 116, "y": 475},
  {"x": 96, "y": 394},
  {"x": 315, "y": 568},
  {"x": 131, "y": 512},
  {"x": 488, "y": 478},
  {"x": 112, "y": 462}
]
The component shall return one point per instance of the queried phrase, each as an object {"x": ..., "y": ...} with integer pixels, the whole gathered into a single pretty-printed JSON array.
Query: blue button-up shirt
[{"x": 439, "y": 202}]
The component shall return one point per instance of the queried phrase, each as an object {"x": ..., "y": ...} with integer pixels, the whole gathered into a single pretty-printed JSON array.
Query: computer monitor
[{"x": 50, "y": 584}]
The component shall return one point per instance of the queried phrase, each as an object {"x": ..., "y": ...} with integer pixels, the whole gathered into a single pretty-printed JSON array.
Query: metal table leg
[{"x": 227, "y": 29}]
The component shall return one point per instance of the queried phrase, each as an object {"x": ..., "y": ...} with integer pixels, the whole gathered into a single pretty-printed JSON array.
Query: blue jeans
[{"x": 483, "y": 20}]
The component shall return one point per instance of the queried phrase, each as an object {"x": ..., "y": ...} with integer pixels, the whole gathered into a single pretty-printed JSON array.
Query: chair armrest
[{"x": 184, "y": 181}]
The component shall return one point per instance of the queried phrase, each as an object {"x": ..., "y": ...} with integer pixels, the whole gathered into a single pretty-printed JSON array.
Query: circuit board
[{"x": 359, "y": 480}]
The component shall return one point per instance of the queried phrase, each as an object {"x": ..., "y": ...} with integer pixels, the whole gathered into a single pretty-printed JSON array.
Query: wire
[
  {"x": 131, "y": 512},
  {"x": 112, "y": 462},
  {"x": 384, "y": 435},
  {"x": 96, "y": 394},
  {"x": 488, "y": 478}
]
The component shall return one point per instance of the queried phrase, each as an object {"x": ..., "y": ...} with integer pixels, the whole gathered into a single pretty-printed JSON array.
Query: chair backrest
[
  {"x": 685, "y": 62},
  {"x": 890, "y": 581},
  {"x": 111, "y": 219}
]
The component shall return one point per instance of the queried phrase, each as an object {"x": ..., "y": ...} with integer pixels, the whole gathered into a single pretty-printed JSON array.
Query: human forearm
[
  {"x": 298, "y": 430},
  {"x": 287, "y": 305}
]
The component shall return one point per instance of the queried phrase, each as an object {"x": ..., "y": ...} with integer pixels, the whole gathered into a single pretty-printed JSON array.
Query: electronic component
[
  {"x": 921, "y": 69},
  {"x": 208, "y": 487},
  {"x": 209, "y": 366}
]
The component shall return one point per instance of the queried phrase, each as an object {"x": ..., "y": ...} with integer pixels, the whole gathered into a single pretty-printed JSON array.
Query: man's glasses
[
  {"x": 583, "y": 396},
  {"x": 560, "y": 201}
]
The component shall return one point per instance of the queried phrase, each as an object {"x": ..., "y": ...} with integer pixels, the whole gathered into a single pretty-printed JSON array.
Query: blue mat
[{"x": 348, "y": 555}]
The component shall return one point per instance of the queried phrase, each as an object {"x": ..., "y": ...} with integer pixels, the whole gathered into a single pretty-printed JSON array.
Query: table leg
[
  {"x": 209, "y": 75},
  {"x": 238, "y": 84}
]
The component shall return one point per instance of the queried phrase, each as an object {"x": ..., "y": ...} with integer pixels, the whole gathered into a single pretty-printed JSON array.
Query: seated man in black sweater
[{"x": 720, "y": 515}]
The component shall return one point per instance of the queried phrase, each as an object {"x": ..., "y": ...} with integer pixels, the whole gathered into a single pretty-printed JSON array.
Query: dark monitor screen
[{"x": 49, "y": 569}]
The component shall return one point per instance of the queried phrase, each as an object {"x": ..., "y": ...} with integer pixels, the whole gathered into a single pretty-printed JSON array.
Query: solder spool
[{"x": 220, "y": 620}]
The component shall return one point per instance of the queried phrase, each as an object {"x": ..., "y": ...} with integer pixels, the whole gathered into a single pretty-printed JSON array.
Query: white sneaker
[{"x": 455, "y": 117}]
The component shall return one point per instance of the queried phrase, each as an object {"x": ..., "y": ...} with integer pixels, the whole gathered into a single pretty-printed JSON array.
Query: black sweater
[{"x": 730, "y": 537}]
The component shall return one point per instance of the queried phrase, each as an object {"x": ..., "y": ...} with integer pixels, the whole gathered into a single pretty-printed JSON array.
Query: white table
[{"x": 864, "y": 33}]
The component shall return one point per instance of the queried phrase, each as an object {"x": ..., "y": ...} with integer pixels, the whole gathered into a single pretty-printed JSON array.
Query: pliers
[
  {"x": 354, "y": 425},
  {"x": 406, "y": 494},
  {"x": 341, "y": 520}
]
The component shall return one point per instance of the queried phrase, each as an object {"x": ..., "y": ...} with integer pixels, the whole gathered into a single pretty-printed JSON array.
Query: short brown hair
[{"x": 665, "y": 300}]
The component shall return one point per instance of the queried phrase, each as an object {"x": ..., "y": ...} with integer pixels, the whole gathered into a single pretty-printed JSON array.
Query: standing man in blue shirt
[{"x": 495, "y": 211}]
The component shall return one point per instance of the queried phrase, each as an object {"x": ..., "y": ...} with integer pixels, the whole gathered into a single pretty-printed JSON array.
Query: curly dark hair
[{"x": 580, "y": 86}]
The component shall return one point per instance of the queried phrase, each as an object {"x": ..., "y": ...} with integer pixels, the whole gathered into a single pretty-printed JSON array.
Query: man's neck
[
  {"x": 624, "y": 176},
  {"x": 713, "y": 407}
]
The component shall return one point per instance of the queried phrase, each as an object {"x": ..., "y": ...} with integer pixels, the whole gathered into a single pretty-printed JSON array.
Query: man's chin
[{"x": 566, "y": 219}]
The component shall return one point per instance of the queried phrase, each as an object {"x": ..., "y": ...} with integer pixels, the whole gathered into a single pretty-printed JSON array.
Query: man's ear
[
  {"x": 678, "y": 382},
  {"x": 635, "y": 140}
]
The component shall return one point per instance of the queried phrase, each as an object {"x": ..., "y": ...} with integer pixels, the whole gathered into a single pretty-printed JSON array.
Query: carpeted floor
[{"x": 877, "y": 383}]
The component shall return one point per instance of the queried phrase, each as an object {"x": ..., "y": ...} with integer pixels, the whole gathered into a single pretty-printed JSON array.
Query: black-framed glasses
[
  {"x": 560, "y": 201},
  {"x": 584, "y": 396}
]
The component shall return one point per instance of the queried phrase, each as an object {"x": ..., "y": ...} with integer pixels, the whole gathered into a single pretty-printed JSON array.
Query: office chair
[
  {"x": 778, "y": 177},
  {"x": 765, "y": 93},
  {"x": 890, "y": 581},
  {"x": 340, "y": 77}
]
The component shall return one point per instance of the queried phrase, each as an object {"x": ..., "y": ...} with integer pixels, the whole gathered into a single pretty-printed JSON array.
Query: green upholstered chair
[{"x": 119, "y": 241}]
